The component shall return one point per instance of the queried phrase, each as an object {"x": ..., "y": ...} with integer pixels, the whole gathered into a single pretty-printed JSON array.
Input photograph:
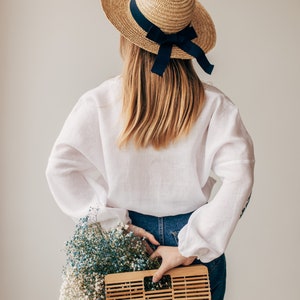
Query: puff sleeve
[
  {"x": 76, "y": 169},
  {"x": 229, "y": 152}
]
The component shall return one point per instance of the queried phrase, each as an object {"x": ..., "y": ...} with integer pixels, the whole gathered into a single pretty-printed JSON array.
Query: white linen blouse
[{"x": 87, "y": 169}]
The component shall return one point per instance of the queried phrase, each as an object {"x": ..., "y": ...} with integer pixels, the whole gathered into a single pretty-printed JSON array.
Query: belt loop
[{"x": 161, "y": 229}]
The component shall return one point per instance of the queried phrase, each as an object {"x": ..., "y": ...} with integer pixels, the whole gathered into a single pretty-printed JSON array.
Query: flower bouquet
[{"x": 92, "y": 253}]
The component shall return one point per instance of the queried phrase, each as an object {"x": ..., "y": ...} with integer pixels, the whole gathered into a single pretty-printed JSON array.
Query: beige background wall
[{"x": 53, "y": 51}]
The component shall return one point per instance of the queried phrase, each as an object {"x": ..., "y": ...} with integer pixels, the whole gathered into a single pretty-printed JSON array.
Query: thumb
[{"x": 160, "y": 272}]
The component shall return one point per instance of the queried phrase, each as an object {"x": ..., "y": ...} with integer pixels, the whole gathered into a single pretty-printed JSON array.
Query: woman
[{"x": 141, "y": 147}]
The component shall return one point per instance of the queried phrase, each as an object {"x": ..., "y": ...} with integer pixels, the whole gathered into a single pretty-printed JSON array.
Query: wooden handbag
[{"x": 190, "y": 283}]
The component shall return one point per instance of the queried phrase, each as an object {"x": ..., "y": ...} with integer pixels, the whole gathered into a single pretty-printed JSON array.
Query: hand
[
  {"x": 140, "y": 232},
  {"x": 171, "y": 258}
]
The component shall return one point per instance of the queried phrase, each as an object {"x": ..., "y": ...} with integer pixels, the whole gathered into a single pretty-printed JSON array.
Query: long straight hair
[{"x": 157, "y": 110}]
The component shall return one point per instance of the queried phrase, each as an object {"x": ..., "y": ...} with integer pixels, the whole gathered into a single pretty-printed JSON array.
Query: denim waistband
[{"x": 165, "y": 229}]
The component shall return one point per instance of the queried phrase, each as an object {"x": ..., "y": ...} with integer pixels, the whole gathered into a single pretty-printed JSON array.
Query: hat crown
[{"x": 169, "y": 16}]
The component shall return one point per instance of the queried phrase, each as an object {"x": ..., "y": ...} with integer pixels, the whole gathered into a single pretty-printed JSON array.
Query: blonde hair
[{"x": 157, "y": 110}]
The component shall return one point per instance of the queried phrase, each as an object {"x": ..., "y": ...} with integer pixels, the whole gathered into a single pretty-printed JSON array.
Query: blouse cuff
[{"x": 108, "y": 217}]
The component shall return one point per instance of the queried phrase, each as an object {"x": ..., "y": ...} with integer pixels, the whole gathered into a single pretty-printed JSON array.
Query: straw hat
[{"x": 169, "y": 16}]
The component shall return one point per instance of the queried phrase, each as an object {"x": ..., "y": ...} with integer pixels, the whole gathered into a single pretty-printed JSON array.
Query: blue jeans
[{"x": 166, "y": 229}]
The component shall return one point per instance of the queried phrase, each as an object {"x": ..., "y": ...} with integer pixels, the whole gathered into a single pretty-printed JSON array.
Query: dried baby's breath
[{"x": 93, "y": 253}]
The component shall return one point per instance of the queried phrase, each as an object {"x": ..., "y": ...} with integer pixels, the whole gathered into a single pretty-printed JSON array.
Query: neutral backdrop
[{"x": 54, "y": 51}]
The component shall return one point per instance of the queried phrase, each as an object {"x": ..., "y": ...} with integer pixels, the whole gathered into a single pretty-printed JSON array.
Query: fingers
[
  {"x": 138, "y": 231},
  {"x": 149, "y": 250},
  {"x": 165, "y": 266},
  {"x": 160, "y": 272},
  {"x": 155, "y": 254},
  {"x": 150, "y": 237},
  {"x": 171, "y": 258}
]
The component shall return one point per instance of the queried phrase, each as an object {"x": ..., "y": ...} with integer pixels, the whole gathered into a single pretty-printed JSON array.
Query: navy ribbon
[{"x": 181, "y": 39}]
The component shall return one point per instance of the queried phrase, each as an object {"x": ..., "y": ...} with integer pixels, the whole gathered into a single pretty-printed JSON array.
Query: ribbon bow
[{"x": 181, "y": 39}]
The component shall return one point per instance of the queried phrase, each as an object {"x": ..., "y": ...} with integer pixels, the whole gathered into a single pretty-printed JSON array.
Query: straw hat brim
[{"x": 118, "y": 13}]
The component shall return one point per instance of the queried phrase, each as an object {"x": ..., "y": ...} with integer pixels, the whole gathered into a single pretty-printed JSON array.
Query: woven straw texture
[
  {"x": 169, "y": 16},
  {"x": 190, "y": 283}
]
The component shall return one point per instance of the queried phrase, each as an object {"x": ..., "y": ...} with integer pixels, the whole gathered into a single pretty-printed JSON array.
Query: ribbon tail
[
  {"x": 194, "y": 50},
  {"x": 162, "y": 59},
  {"x": 205, "y": 64}
]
